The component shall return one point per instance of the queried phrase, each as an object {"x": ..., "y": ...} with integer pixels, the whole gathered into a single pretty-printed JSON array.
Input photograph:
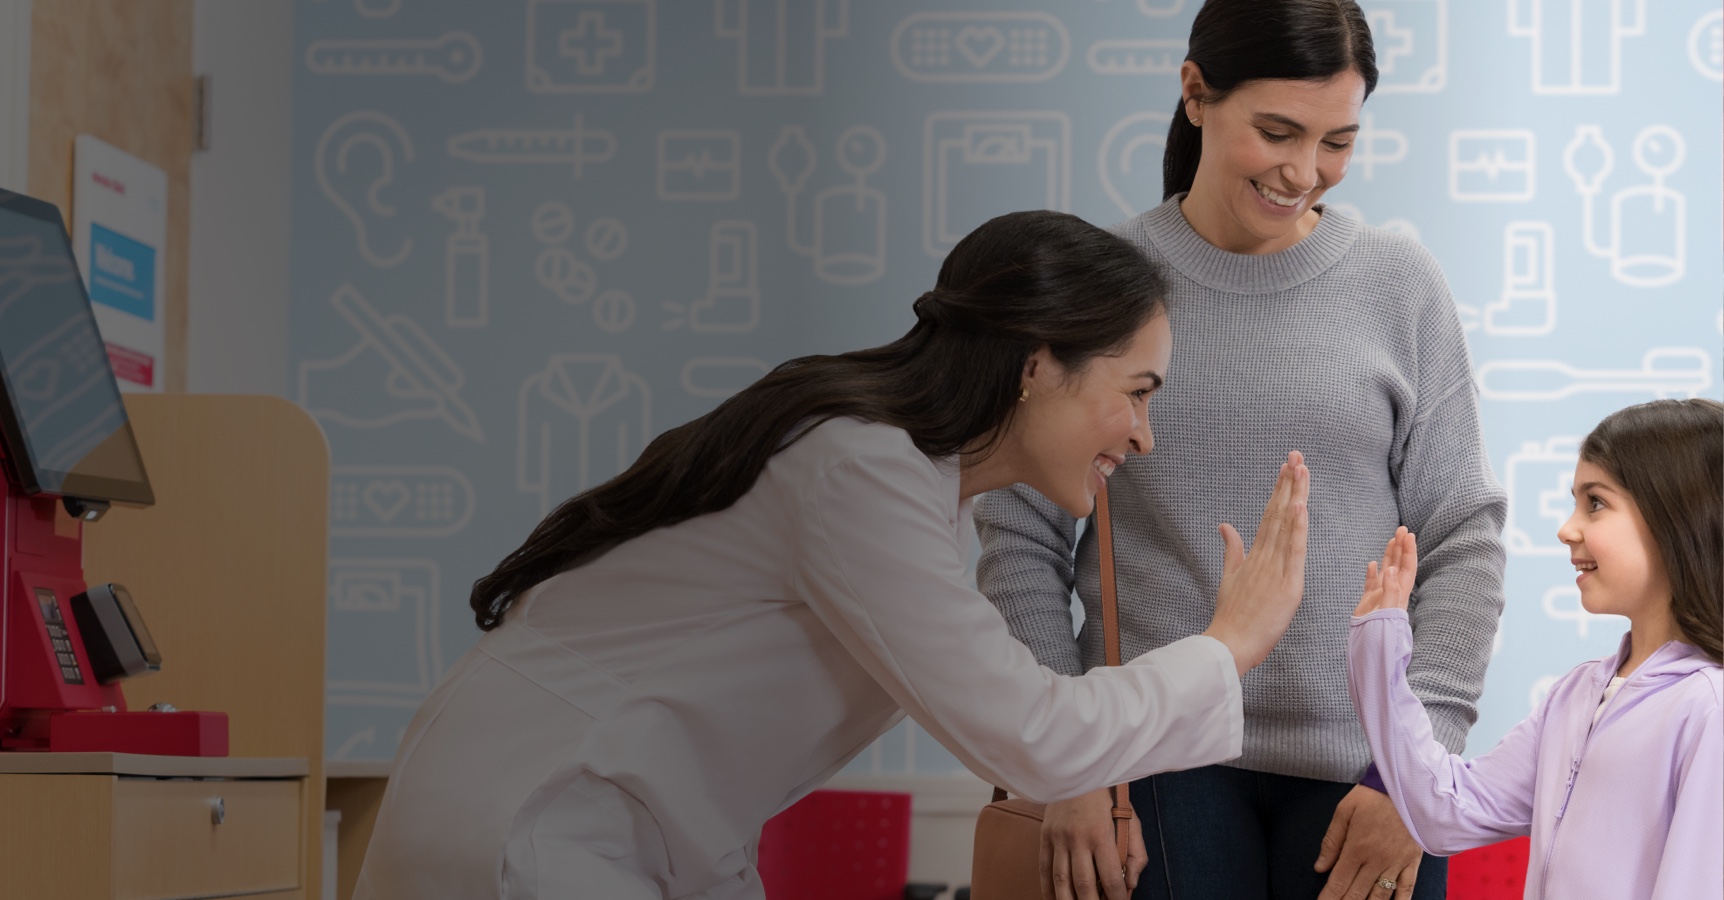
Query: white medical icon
[
  {"x": 1527, "y": 306},
  {"x": 1576, "y": 44},
  {"x": 1373, "y": 146},
  {"x": 607, "y": 239},
  {"x": 384, "y": 639},
  {"x": 1537, "y": 480},
  {"x": 552, "y": 222},
  {"x": 732, "y": 301},
  {"x": 394, "y": 373},
  {"x": 980, "y": 164},
  {"x": 398, "y": 501},
  {"x": 376, "y": 9},
  {"x": 356, "y": 158},
  {"x": 614, "y": 311},
  {"x": 980, "y": 47},
  {"x": 1664, "y": 372},
  {"x": 1648, "y": 223},
  {"x": 346, "y": 749},
  {"x": 699, "y": 165},
  {"x": 1398, "y": 226},
  {"x": 1160, "y": 9},
  {"x": 591, "y": 46},
  {"x": 454, "y": 57},
  {"x": 583, "y": 420},
  {"x": 1412, "y": 42},
  {"x": 1706, "y": 45},
  {"x": 1130, "y": 162},
  {"x": 1137, "y": 56},
  {"x": 1562, "y": 604},
  {"x": 1492, "y": 165},
  {"x": 559, "y": 271},
  {"x": 467, "y": 258},
  {"x": 719, "y": 377},
  {"x": 781, "y": 44},
  {"x": 848, "y": 243},
  {"x": 577, "y": 147}
]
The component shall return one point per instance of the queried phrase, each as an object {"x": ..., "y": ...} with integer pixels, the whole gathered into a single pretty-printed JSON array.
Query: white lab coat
[{"x": 631, "y": 725}]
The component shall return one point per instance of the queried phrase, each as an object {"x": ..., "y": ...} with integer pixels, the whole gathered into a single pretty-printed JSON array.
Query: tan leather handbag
[{"x": 1006, "y": 863}]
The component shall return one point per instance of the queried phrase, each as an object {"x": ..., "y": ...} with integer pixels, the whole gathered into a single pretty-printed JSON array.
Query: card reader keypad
[{"x": 58, "y": 636}]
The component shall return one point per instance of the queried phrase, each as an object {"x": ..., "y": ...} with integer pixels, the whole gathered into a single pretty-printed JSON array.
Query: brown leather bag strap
[{"x": 1122, "y": 813}]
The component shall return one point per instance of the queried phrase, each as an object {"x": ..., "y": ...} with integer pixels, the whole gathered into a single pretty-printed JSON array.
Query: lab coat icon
[
  {"x": 1648, "y": 223},
  {"x": 1412, "y": 41},
  {"x": 1562, "y": 604},
  {"x": 1527, "y": 306},
  {"x": 848, "y": 243},
  {"x": 583, "y": 420},
  {"x": 781, "y": 44},
  {"x": 980, "y": 47},
  {"x": 384, "y": 644},
  {"x": 732, "y": 301},
  {"x": 1537, "y": 480},
  {"x": 1577, "y": 44},
  {"x": 394, "y": 373},
  {"x": 591, "y": 46},
  {"x": 1492, "y": 165},
  {"x": 699, "y": 165},
  {"x": 1664, "y": 372},
  {"x": 1130, "y": 163},
  {"x": 978, "y": 165}
]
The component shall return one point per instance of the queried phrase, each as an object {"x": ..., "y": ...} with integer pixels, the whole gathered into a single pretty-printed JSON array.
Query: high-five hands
[
  {"x": 1261, "y": 590},
  {"x": 1389, "y": 584}
]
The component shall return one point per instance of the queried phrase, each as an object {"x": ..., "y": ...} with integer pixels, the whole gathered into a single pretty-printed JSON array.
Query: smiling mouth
[
  {"x": 1584, "y": 565},
  {"x": 1279, "y": 199},
  {"x": 1103, "y": 465}
]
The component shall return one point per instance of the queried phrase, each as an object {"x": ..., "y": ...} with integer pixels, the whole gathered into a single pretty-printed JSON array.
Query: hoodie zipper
[{"x": 1574, "y": 773}]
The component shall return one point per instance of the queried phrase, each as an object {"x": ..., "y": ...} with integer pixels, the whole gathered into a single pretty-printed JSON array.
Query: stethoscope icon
[
  {"x": 848, "y": 244},
  {"x": 1648, "y": 223}
]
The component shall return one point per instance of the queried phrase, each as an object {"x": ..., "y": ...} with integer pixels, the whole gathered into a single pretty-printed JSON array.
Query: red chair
[
  {"x": 838, "y": 845},
  {"x": 1496, "y": 872}
]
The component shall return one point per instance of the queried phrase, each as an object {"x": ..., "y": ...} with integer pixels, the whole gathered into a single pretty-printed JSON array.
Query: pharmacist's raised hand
[
  {"x": 1261, "y": 590},
  {"x": 1389, "y": 584}
]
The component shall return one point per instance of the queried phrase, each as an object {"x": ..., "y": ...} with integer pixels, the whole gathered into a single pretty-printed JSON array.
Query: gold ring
[{"x": 1385, "y": 884}]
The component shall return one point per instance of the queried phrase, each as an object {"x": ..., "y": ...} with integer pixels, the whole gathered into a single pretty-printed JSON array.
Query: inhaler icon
[
  {"x": 467, "y": 258},
  {"x": 1648, "y": 223},
  {"x": 848, "y": 244}
]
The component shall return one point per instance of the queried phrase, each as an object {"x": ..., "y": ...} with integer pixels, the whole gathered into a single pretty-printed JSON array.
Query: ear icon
[{"x": 356, "y": 161}]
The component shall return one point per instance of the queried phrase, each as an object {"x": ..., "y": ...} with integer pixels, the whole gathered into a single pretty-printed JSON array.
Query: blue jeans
[{"x": 1220, "y": 833}]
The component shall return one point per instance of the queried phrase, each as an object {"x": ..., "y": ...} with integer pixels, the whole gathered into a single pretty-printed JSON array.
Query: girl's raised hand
[{"x": 1389, "y": 584}]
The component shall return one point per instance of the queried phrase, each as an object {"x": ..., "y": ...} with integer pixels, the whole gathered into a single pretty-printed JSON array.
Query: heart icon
[
  {"x": 980, "y": 44},
  {"x": 386, "y": 499}
]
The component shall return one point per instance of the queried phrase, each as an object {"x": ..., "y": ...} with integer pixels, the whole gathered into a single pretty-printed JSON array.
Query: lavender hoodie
[{"x": 1632, "y": 808}]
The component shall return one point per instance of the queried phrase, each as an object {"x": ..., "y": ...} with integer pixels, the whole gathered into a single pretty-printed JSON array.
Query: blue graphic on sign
[{"x": 122, "y": 273}]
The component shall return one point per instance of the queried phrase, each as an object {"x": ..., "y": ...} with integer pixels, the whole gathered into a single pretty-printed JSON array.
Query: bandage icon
[
  {"x": 454, "y": 57},
  {"x": 1648, "y": 224},
  {"x": 980, "y": 47},
  {"x": 848, "y": 243},
  {"x": 467, "y": 258}
]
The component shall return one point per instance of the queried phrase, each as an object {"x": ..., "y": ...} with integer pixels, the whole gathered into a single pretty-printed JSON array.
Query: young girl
[{"x": 1618, "y": 773}]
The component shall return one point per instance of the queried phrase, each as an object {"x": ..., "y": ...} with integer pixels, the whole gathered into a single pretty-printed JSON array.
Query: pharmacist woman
[{"x": 678, "y": 654}]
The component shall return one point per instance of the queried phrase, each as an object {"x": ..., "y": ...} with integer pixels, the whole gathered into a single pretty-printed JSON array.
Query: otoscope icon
[
  {"x": 1648, "y": 223},
  {"x": 848, "y": 244},
  {"x": 467, "y": 255}
]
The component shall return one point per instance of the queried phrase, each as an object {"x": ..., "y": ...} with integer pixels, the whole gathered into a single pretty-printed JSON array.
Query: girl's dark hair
[
  {"x": 1235, "y": 41},
  {"x": 1669, "y": 456},
  {"x": 1017, "y": 283}
]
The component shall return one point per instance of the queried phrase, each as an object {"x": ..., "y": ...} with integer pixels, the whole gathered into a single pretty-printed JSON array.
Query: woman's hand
[
  {"x": 1261, "y": 590},
  {"x": 1078, "y": 858},
  {"x": 1367, "y": 844},
  {"x": 1389, "y": 584}
]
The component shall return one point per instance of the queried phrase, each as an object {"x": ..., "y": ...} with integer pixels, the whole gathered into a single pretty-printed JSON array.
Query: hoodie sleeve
[
  {"x": 1448, "y": 804},
  {"x": 1692, "y": 865}
]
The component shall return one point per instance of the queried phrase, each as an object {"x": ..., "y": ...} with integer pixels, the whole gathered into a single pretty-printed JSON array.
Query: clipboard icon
[{"x": 977, "y": 165}]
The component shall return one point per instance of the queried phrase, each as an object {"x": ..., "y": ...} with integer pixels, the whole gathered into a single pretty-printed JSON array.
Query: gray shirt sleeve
[
  {"x": 1026, "y": 570},
  {"x": 1450, "y": 499}
]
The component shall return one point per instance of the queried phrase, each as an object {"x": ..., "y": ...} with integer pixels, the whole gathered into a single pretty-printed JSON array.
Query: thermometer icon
[
  {"x": 454, "y": 57},
  {"x": 579, "y": 146}
]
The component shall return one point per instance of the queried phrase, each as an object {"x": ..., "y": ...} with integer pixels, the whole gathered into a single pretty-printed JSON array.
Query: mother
[
  {"x": 1296, "y": 327},
  {"x": 676, "y": 655}
]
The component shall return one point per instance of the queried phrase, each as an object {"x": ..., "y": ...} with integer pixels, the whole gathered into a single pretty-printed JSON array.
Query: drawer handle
[{"x": 218, "y": 811}]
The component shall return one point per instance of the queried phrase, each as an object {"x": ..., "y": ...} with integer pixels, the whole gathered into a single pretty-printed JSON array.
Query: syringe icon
[
  {"x": 454, "y": 57},
  {"x": 580, "y": 146}
]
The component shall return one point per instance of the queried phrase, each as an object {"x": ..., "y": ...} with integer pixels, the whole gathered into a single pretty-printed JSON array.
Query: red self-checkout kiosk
[{"x": 67, "y": 451}]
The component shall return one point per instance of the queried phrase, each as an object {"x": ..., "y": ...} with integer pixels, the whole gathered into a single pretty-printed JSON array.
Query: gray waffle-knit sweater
[{"x": 1347, "y": 347}]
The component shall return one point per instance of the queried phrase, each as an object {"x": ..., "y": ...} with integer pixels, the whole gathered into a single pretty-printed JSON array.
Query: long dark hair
[
  {"x": 1235, "y": 41},
  {"x": 1019, "y": 282},
  {"x": 1669, "y": 456}
]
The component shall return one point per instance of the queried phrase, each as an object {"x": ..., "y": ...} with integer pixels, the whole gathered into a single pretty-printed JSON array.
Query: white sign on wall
[{"x": 119, "y": 235}]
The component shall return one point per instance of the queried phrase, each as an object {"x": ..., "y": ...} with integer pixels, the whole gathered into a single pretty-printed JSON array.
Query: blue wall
[{"x": 528, "y": 236}]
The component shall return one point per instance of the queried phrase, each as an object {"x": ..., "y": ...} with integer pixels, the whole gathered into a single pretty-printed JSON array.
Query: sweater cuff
[{"x": 1373, "y": 780}]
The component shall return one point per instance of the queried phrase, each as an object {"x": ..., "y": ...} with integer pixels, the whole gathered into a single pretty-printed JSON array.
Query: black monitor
[{"x": 61, "y": 416}]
